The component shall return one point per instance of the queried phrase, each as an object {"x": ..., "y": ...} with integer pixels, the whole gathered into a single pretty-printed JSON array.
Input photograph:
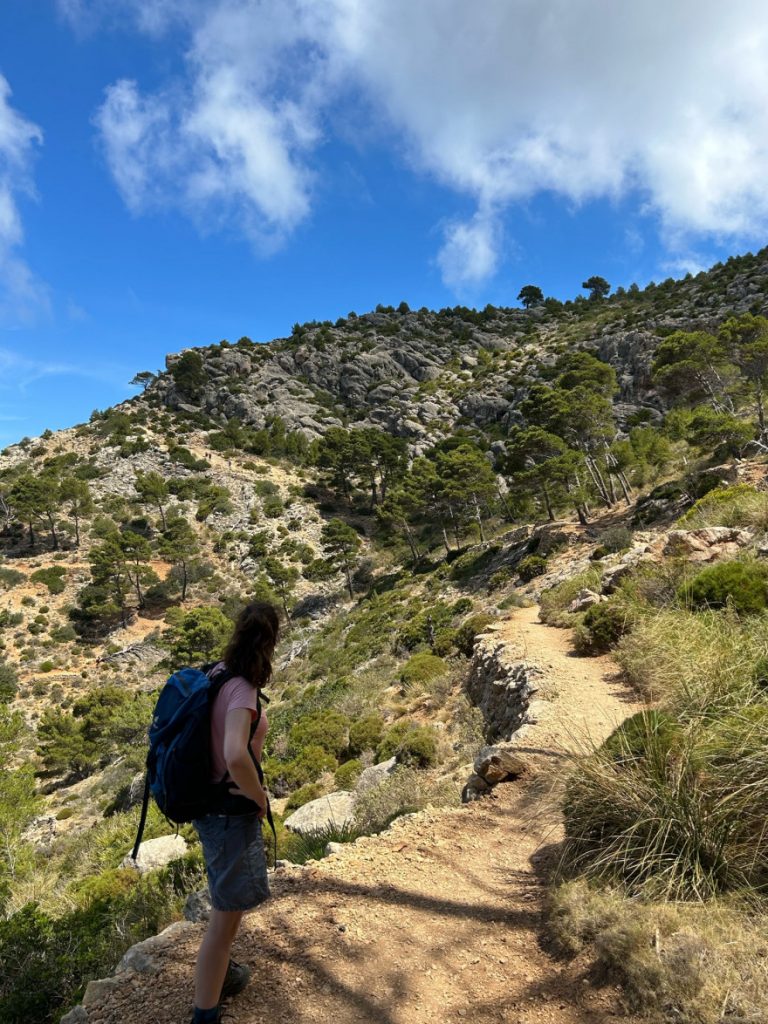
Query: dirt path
[{"x": 437, "y": 920}]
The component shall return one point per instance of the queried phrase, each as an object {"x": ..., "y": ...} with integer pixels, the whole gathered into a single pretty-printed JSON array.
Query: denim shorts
[{"x": 233, "y": 847}]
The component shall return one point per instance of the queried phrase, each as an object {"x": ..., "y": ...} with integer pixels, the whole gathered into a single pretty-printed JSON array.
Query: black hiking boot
[{"x": 238, "y": 976}]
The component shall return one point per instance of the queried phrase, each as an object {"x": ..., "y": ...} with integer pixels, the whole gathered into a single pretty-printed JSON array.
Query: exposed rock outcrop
[{"x": 334, "y": 809}]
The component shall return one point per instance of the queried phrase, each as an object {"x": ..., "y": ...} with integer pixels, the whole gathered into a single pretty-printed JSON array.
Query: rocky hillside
[{"x": 421, "y": 374}]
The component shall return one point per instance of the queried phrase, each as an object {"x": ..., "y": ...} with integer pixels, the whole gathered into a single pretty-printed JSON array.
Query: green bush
[
  {"x": 469, "y": 630},
  {"x": 10, "y": 577},
  {"x": 421, "y": 669},
  {"x": 530, "y": 567},
  {"x": 742, "y": 586},
  {"x": 328, "y": 730},
  {"x": 303, "y": 795},
  {"x": 301, "y": 848},
  {"x": 365, "y": 733},
  {"x": 53, "y": 578},
  {"x": 603, "y": 626},
  {"x": 556, "y": 600},
  {"x": 411, "y": 744},
  {"x": 306, "y": 767},
  {"x": 347, "y": 774},
  {"x": 737, "y": 506},
  {"x": 9, "y": 682},
  {"x": 615, "y": 539}
]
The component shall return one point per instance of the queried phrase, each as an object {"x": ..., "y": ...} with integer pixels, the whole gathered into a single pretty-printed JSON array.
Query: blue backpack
[{"x": 179, "y": 760}]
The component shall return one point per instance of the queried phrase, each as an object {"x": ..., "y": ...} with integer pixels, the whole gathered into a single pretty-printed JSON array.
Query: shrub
[
  {"x": 556, "y": 600},
  {"x": 469, "y": 630},
  {"x": 530, "y": 567},
  {"x": 615, "y": 539},
  {"x": 741, "y": 585},
  {"x": 347, "y": 774},
  {"x": 738, "y": 506},
  {"x": 53, "y": 578},
  {"x": 365, "y": 733},
  {"x": 307, "y": 767},
  {"x": 10, "y": 577},
  {"x": 301, "y": 848},
  {"x": 602, "y": 628},
  {"x": 672, "y": 809},
  {"x": 328, "y": 730},
  {"x": 303, "y": 795},
  {"x": 402, "y": 792},
  {"x": 421, "y": 669},
  {"x": 9, "y": 682},
  {"x": 411, "y": 744}
]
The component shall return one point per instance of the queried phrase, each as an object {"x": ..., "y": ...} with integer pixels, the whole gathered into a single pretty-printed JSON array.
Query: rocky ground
[{"x": 438, "y": 919}]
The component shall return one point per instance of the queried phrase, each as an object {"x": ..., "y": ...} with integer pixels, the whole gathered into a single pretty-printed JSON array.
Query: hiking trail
[{"x": 436, "y": 920}]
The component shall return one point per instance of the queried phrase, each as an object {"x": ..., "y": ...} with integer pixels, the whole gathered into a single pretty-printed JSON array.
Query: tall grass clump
[
  {"x": 673, "y": 810},
  {"x": 739, "y": 506},
  {"x": 698, "y": 663},
  {"x": 700, "y": 963}
]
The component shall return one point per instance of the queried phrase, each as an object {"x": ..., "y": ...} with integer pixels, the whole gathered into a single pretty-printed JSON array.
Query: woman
[{"x": 232, "y": 840}]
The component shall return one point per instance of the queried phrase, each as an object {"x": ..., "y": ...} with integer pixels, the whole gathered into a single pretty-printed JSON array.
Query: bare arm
[{"x": 237, "y": 732}]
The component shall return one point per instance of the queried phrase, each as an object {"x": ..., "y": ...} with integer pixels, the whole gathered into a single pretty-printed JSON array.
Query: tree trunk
[
  {"x": 54, "y": 535},
  {"x": 162, "y": 515},
  {"x": 77, "y": 527},
  {"x": 760, "y": 410},
  {"x": 349, "y": 580},
  {"x": 547, "y": 503},
  {"x": 479, "y": 518},
  {"x": 445, "y": 537},
  {"x": 411, "y": 544},
  {"x": 184, "y": 581}
]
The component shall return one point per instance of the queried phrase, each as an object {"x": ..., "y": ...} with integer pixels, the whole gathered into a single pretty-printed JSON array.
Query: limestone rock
[
  {"x": 476, "y": 787},
  {"x": 332, "y": 848},
  {"x": 79, "y": 1015},
  {"x": 585, "y": 599},
  {"x": 198, "y": 906},
  {"x": 334, "y": 809},
  {"x": 372, "y": 776},
  {"x": 500, "y": 763},
  {"x": 156, "y": 853},
  {"x": 707, "y": 544}
]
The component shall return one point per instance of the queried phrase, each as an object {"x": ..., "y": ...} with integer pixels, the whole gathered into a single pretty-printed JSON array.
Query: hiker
[{"x": 231, "y": 837}]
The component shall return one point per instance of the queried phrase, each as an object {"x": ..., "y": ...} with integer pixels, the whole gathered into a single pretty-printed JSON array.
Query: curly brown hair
[{"x": 250, "y": 649}]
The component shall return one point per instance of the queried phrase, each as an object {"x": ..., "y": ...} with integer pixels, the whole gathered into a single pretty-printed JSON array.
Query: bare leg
[{"x": 213, "y": 958}]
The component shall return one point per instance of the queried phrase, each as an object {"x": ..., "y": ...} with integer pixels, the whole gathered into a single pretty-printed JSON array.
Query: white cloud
[
  {"x": 469, "y": 254},
  {"x": 498, "y": 102},
  {"x": 21, "y": 293}
]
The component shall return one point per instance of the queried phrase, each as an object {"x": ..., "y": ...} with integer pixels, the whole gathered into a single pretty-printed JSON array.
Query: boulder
[
  {"x": 198, "y": 906},
  {"x": 332, "y": 848},
  {"x": 77, "y": 1016},
  {"x": 334, "y": 809},
  {"x": 707, "y": 544},
  {"x": 372, "y": 776},
  {"x": 500, "y": 763},
  {"x": 585, "y": 599},
  {"x": 475, "y": 788},
  {"x": 156, "y": 853}
]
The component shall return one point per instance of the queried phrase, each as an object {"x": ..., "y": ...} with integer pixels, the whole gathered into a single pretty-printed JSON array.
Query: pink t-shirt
[{"x": 236, "y": 693}]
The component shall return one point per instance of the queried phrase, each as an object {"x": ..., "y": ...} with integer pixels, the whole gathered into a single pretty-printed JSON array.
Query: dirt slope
[{"x": 436, "y": 920}]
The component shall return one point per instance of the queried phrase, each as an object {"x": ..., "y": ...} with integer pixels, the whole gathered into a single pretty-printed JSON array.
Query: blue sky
[{"x": 174, "y": 173}]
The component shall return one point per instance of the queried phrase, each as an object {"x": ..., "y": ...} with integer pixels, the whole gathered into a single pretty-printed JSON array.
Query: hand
[{"x": 261, "y": 804}]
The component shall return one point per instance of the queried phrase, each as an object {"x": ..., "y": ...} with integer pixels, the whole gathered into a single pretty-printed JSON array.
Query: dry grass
[
  {"x": 691, "y": 963},
  {"x": 698, "y": 663}
]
